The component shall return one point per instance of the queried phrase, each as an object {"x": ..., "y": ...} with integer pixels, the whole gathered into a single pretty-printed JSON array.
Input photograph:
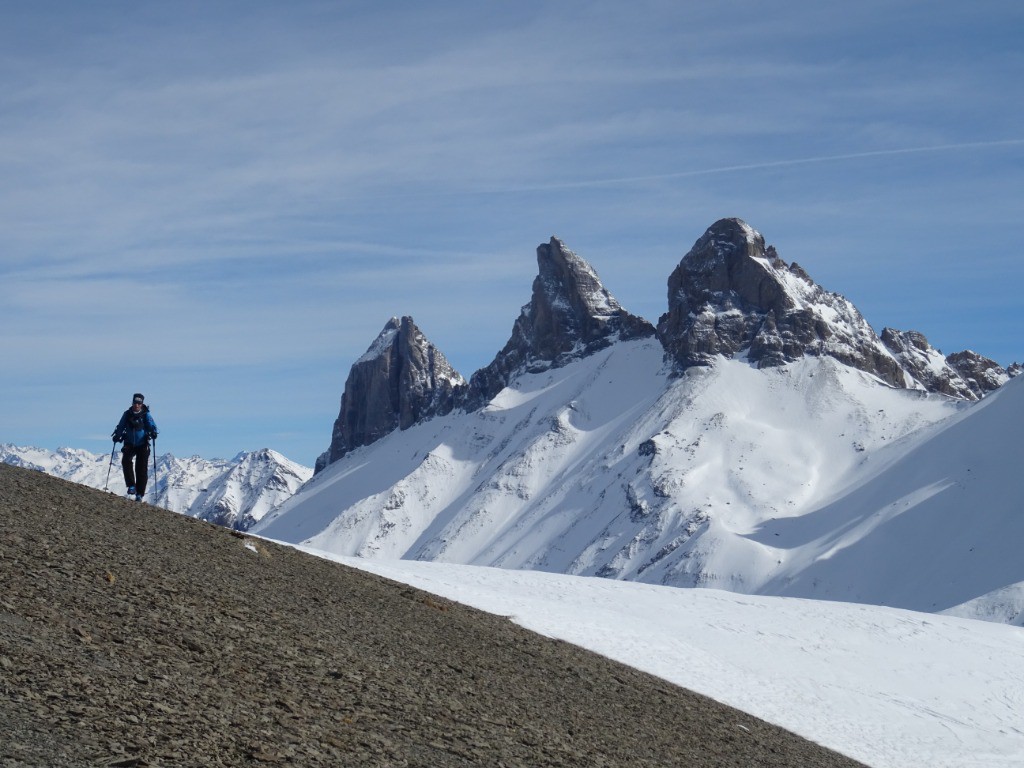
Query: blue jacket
[{"x": 135, "y": 428}]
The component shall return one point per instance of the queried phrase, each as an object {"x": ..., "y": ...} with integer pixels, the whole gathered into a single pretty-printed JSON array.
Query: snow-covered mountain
[
  {"x": 715, "y": 451},
  {"x": 235, "y": 493}
]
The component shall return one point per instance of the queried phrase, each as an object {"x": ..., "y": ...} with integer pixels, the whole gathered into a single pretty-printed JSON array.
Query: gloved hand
[{"x": 115, "y": 437}]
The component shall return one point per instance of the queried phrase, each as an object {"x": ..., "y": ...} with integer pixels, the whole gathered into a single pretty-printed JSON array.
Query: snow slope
[
  {"x": 235, "y": 493},
  {"x": 928, "y": 528},
  {"x": 891, "y": 688},
  {"x": 609, "y": 466}
]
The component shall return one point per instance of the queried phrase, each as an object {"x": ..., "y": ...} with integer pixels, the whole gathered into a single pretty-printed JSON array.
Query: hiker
[{"x": 135, "y": 428}]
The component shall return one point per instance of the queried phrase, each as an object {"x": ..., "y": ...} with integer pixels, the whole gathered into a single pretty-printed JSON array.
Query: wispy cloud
[{"x": 617, "y": 181}]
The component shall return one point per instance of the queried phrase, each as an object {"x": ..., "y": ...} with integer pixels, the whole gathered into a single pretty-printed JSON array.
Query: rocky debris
[
  {"x": 730, "y": 295},
  {"x": 980, "y": 373},
  {"x": 401, "y": 380},
  {"x": 570, "y": 315},
  {"x": 133, "y": 636},
  {"x": 926, "y": 364}
]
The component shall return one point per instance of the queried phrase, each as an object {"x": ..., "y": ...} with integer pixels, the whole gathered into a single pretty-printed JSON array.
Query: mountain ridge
[{"x": 730, "y": 295}]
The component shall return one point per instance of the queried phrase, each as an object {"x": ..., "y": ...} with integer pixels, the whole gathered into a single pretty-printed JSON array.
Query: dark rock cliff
[
  {"x": 401, "y": 380},
  {"x": 570, "y": 315},
  {"x": 730, "y": 294}
]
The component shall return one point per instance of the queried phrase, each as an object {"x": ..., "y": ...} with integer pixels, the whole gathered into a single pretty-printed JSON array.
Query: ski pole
[{"x": 107, "y": 481}]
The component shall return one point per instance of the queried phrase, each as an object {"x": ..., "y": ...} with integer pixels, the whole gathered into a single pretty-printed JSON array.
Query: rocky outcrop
[
  {"x": 927, "y": 365},
  {"x": 980, "y": 373},
  {"x": 731, "y": 295},
  {"x": 570, "y": 315},
  {"x": 401, "y": 380}
]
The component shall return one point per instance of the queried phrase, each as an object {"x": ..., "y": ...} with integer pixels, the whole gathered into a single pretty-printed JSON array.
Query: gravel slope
[{"x": 132, "y": 636}]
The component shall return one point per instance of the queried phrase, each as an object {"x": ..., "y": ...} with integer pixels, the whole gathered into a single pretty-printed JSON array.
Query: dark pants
[{"x": 140, "y": 476}]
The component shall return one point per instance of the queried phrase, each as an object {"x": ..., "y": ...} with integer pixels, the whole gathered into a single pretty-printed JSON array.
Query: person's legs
[
  {"x": 126, "y": 465},
  {"x": 141, "y": 469}
]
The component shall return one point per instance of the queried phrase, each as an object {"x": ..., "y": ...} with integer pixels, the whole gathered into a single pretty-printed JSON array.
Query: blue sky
[{"x": 221, "y": 204}]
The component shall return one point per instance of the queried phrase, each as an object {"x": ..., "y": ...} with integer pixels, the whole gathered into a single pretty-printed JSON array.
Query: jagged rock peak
[
  {"x": 732, "y": 295},
  {"x": 570, "y": 307},
  {"x": 981, "y": 374},
  {"x": 570, "y": 315},
  {"x": 927, "y": 365},
  {"x": 402, "y": 379}
]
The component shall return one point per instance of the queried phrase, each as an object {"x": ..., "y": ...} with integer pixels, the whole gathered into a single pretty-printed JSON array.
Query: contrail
[{"x": 780, "y": 164}]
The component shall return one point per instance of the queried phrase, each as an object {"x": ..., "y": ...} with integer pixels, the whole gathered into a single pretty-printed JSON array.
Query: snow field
[{"x": 889, "y": 687}]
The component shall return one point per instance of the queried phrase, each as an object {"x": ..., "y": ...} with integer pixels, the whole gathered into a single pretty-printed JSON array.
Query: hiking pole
[
  {"x": 156, "y": 485},
  {"x": 107, "y": 481}
]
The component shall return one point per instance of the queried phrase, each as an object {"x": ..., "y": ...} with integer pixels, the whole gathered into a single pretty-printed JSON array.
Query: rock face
[
  {"x": 401, "y": 380},
  {"x": 980, "y": 373},
  {"x": 730, "y": 294},
  {"x": 927, "y": 365},
  {"x": 570, "y": 315}
]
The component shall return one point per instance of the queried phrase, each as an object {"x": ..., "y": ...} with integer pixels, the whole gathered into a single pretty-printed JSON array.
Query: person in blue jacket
[{"x": 135, "y": 428}]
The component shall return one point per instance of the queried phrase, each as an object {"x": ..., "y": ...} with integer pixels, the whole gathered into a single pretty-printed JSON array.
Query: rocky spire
[
  {"x": 732, "y": 295},
  {"x": 570, "y": 315},
  {"x": 401, "y": 380}
]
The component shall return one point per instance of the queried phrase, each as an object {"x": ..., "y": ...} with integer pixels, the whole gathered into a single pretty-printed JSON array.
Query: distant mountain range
[
  {"x": 714, "y": 448},
  {"x": 234, "y": 493}
]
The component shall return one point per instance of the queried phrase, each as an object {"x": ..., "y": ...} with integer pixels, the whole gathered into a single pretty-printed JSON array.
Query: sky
[
  {"x": 221, "y": 204},
  {"x": 890, "y": 688}
]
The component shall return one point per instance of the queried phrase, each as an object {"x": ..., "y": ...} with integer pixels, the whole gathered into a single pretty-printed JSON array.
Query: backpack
[{"x": 138, "y": 420}]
